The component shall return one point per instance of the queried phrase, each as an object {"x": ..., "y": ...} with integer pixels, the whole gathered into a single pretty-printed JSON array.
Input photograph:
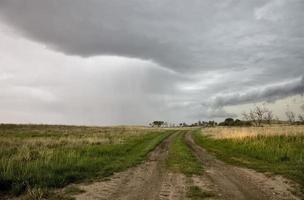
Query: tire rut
[
  {"x": 147, "y": 181},
  {"x": 173, "y": 187},
  {"x": 231, "y": 182}
]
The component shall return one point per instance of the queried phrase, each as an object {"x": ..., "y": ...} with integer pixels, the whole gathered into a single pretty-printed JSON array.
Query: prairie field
[
  {"x": 43, "y": 156},
  {"x": 221, "y": 132},
  {"x": 276, "y": 149},
  {"x": 128, "y": 162}
]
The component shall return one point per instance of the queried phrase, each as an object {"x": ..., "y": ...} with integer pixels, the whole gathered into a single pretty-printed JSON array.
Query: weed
[{"x": 35, "y": 194}]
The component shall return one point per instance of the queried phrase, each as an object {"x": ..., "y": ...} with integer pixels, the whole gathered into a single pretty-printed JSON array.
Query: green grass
[
  {"x": 180, "y": 158},
  {"x": 278, "y": 154},
  {"x": 54, "y": 156},
  {"x": 196, "y": 193}
]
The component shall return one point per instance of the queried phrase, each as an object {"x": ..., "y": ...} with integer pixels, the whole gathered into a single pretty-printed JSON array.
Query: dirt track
[
  {"x": 238, "y": 183},
  {"x": 149, "y": 180},
  {"x": 152, "y": 181}
]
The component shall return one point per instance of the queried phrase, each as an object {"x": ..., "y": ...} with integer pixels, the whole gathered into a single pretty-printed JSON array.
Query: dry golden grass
[
  {"x": 68, "y": 136},
  {"x": 242, "y": 132}
]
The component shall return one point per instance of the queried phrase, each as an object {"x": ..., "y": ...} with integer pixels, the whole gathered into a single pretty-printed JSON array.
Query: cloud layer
[
  {"x": 269, "y": 93},
  {"x": 184, "y": 36},
  {"x": 100, "y": 61}
]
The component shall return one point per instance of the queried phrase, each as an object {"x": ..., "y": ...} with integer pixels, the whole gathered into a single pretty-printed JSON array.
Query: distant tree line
[
  {"x": 206, "y": 123},
  {"x": 232, "y": 122},
  {"x": 183, "y": 124},
  {"x": 262, "y": 115},
  {"x": 258, "y": 116}
]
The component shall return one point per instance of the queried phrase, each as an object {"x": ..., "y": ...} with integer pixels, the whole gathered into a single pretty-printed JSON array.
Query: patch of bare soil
[
  {"x": 147, "y": 181},
  {"x": 230, "y": 182}
]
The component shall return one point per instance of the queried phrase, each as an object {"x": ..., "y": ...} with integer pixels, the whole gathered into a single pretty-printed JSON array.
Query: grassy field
[
  {"x": 35, "y": 157},
  {"x": 181, "y": 159},
  {"x": 221, "y": 132},
  {"x": 273, "y": 149}
]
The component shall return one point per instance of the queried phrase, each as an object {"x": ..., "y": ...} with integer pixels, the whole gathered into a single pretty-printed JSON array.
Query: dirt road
[
  {"x": 147, "y": 181},
  {"x": 152, "y": 181},
  {"x": 231, "y": 182}
]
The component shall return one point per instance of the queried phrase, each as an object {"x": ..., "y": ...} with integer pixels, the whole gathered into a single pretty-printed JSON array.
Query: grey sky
[{"x": 130, "y": 62}]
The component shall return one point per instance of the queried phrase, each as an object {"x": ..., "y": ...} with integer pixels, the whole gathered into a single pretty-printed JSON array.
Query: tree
[
  {"x": 211, "y": 123},
  {"x": 257, "y": 115},
  {"x": 246, "y": 116},
  {"x": 290, "y": 116},
  {"x": 268, "y": 117},
  {"x": 158, "y": 123},
  {"x": 238, "y": 122},
  {"x": 229, "y": 122},
  {"x": 260, "y": 113},
  {"x": 253, "y": 117},
  {"x": 200, "y": 123},
  {"x": 301, "y": 116}
]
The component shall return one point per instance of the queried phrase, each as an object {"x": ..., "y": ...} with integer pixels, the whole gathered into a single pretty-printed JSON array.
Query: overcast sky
[{"x": 130, "y": 62}]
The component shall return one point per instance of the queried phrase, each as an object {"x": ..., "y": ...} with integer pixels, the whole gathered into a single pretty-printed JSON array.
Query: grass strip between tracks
[{"x": 181, "y": 159}]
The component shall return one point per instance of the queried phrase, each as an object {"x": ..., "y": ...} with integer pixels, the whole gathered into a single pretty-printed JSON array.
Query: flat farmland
[
  {"x": 35, "y": 157},
  {"x": 39, "y": 162}
]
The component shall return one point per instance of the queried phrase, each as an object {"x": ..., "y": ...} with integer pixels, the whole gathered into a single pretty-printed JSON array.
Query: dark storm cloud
[
  {"x": 182, "y": 35},
  {"x": 270, "y": 93},
  {"x": 186, "y": 51}
]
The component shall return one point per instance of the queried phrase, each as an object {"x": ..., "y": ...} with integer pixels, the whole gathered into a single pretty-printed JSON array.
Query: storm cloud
[
  {"x": 113, "y": 62},
  {"x": 182, "y": 35},
  {"x": 269, "y": 93}
]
